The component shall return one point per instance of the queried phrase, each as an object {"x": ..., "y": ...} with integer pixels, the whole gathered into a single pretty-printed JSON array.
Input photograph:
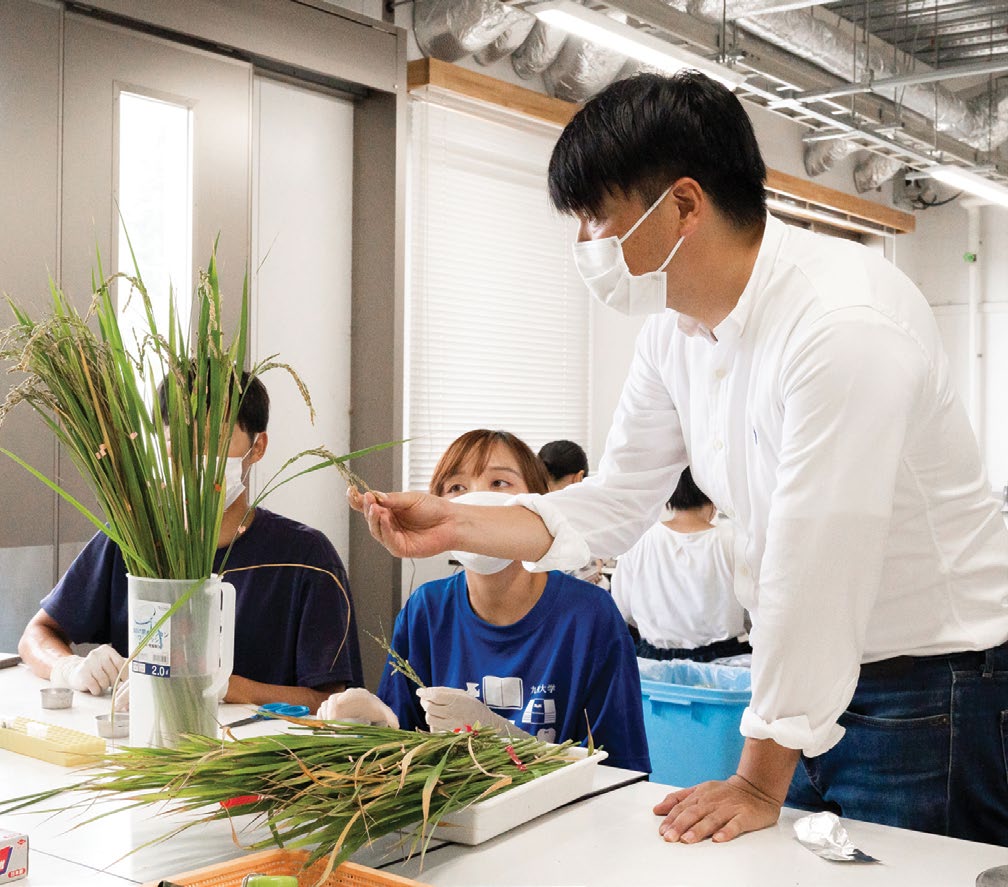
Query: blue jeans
[{"x": 925, "y": 748}]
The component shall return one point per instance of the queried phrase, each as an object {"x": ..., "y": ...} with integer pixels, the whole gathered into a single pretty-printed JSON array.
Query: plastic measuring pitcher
[{"x": 183, "y": 661}]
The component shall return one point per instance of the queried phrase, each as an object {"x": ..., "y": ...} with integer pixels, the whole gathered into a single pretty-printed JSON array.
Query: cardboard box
[{"x": 13, "y": 856}]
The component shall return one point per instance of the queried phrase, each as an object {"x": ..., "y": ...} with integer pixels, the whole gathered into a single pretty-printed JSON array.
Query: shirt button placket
[{"x": 719, "y": 410}]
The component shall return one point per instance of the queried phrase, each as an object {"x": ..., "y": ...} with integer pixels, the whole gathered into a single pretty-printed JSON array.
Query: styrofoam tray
[{"x": 486, "y": 819}]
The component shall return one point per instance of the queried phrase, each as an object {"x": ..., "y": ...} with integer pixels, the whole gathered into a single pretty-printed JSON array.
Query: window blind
[{"x": 497, "y": 319}]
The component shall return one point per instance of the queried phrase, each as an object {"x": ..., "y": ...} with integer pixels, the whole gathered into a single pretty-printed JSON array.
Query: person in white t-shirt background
[{"x": 676, "y": 586}]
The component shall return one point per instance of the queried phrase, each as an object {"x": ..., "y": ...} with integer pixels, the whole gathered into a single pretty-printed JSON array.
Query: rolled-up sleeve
[{"x": 848, "y": 392}]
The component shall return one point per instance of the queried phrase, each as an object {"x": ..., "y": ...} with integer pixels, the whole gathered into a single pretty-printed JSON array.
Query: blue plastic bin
[{"x": 692, "y": 712}]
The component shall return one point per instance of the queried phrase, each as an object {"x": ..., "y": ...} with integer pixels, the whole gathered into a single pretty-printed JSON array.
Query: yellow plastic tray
[
  {"x": 60, "y": 745},
  {"x": 286, "y": 862}
]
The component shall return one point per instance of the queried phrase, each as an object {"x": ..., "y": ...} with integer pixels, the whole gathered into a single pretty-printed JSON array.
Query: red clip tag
[
  {"x": 511, "y": 754},
  {"x": 240, "y": 801}
]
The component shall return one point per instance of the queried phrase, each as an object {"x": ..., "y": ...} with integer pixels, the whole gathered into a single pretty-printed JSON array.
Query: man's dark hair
[
  {"x": 563, "y": 457},
  {"x": 687, "y": 494},
  {"x": 639, "y": 135},
  {"x": 253, "y": 410}
]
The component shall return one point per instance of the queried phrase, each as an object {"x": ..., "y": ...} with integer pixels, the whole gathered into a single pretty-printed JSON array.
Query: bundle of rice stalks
[
  {"x": 160, "y": 484},
  {"x": 330, "y": 787},
  {"x": 159, "y": 481}
]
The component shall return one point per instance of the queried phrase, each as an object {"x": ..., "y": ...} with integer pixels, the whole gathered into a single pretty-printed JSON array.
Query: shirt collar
[
  {"x": 730, "y": 329},
  {"x": 690, "y": 326}
]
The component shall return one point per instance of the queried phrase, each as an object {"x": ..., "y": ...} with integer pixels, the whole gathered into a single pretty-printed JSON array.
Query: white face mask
[
  {"x": 603, "y": 268},
  {"x": 482, "y": 563},
  {"x": 234, "y": 477}
]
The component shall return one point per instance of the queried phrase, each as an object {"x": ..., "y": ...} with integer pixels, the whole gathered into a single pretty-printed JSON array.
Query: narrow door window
[{"x": 154, "y": 188}]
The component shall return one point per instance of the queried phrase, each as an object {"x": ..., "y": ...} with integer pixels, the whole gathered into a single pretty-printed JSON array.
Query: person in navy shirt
[
  {"x": 538, "y": 653},
  {"x": 295, "y": 628}
]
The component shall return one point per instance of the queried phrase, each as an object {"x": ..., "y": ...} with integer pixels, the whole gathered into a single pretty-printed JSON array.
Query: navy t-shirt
[
  {"x": 289, "y": 622},
  {"x": 571, "y": 654}
]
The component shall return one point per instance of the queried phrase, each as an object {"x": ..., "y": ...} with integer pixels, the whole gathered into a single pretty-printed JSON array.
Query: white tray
[{"x": 486, "y": 819}]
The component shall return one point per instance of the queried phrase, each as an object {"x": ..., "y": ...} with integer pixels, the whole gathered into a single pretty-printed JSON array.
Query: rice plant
[
  {"x": 330, "y": 787},
  {"x": 159, "y": 484}
]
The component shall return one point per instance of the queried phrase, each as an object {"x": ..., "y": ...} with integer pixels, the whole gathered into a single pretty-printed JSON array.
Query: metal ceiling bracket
[{"x": 871, "y": 85}]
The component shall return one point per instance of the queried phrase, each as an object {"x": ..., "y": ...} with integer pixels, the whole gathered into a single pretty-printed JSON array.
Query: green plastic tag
[{"x": 269, "y": 881}]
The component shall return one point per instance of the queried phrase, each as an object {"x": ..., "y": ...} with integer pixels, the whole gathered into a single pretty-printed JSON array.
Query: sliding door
[{"x": 159, "y": 133}]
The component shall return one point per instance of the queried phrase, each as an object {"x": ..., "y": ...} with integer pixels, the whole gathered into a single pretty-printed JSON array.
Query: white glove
[
  {"x": 448, "y": 708},
  {"x": 93, "y": 673},
  {"x": 358, "y": 706},
  {"x": 120, "y": 702}
]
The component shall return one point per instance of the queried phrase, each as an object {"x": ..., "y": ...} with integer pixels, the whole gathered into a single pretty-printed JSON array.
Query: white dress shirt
[
  {"x": 824, "y": 422},
  {"x": 678, "y": 588}
]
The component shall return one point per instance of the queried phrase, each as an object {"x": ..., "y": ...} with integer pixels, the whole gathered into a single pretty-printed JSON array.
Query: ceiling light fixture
[
  {"x": 970, "y": 182},
  {"x": 629, "y": 41},
  {"x": 787, "y": 208}
]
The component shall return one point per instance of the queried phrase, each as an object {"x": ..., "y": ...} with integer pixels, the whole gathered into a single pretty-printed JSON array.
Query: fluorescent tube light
[
  {"x": 800, "y": 211},
  {"x": 629, "y": 41},
  {"x": 970, "y": 182}
]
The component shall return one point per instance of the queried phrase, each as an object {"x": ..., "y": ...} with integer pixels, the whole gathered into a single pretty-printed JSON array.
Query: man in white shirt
[{"x": 804, "y": 380}]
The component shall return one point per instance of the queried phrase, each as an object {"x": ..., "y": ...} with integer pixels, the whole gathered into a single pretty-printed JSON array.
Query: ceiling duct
[
  {"x": 835, "y": 50},
  {"x": 874, "y": 171},
  {"x": 581, "y": 70},
  {"x": 509, "y": 41},
  {"x": 820, "y": 156},
  {"x": 733, "y": 9},
  {"x": 539, "y": 50},
  {"x": 452, "y": 29},
  {"x": 574, "y": 69}
]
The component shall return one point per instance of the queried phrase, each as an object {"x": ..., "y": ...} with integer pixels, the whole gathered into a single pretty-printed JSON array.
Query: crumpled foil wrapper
[{"x": 825, "y": 836}]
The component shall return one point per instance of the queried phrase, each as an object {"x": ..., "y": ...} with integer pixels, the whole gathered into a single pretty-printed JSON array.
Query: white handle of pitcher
[{"x": 217, "y": 689}]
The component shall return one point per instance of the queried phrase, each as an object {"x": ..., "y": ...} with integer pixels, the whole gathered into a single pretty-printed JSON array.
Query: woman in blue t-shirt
[{"x": 537, "y": 653}]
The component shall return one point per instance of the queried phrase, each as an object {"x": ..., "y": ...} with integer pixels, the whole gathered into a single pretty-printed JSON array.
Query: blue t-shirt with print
[
  {"x": 289, "y": 622},
  {"x": 571, "y": 654}
]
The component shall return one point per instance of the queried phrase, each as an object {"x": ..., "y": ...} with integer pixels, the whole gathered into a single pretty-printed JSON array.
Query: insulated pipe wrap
[
  {"x": 821, "y": 156},
  {"x": 834, "y": 50},
  {"x": 539, "y": 50},
  {"x": 508, "y": 42},
  {"x": 452, "y": 29},
  {"x": 581, "y": 70},
  {"x": 874, "y": 171},
  {"x": 737, "y": 8}
]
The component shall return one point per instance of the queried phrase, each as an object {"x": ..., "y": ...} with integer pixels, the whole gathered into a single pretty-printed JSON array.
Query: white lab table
[
  {"x": 613, "y": 840},
  {"x": 608, "y": 839}
]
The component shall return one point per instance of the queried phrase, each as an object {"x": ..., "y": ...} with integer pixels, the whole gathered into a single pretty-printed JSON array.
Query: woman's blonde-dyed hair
[{"x": 476, "y": 446}]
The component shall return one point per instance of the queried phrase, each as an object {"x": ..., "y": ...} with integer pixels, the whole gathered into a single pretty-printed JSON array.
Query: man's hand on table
[
  {"x": 717, "y": 810},
  {"x": 750, "y": 799}
]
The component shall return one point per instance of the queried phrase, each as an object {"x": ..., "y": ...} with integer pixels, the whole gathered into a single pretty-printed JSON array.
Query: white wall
[
  {"x": 933, "y": 257},
  {"x": 302, "y": 201}
]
